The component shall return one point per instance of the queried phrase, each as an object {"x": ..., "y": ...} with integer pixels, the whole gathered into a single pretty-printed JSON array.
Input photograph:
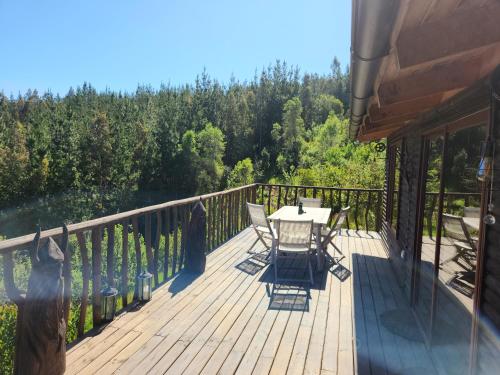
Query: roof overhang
[{"x": 410, "y": 56}]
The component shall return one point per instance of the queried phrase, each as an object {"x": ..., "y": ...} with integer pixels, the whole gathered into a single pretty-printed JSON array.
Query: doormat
[{"x": 401, "y": 322}]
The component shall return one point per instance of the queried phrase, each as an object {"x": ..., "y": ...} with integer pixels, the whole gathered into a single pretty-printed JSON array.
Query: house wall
[
  {"x": 402, "y": 250},
  {"x": 488, "y": 358}
]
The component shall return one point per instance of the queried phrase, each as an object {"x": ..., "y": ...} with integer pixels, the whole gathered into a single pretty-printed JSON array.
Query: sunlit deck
[{"x": 231, "y": 320}]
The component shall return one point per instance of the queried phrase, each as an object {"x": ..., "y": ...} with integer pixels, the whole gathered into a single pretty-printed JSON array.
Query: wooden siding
[{"x": 489, "y": 330}]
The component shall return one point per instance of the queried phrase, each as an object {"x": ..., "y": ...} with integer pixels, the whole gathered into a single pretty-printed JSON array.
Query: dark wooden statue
[
  {"x": 41, "y": 324},
  {"x": 196, "y": 258}
]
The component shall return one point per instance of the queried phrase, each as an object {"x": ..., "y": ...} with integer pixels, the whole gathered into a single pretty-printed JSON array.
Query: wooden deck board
[{"x": 231, "y": 320}]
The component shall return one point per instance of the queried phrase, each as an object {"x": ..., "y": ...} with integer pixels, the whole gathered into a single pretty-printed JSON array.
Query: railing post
[
  {"x": 85, "y": 282},
  {"x": 96, "y": 276},
  {"x": 124, "y": 274},
  {"x": 378, "y": 222}
]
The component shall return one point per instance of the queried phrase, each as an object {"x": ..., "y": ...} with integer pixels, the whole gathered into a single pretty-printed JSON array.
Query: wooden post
[
  {"x": 196, "y": 240},
  {"x": 96, "y": 276},
  {"x": 167, "y": 244},
  {"x": 110, "y": 256},
  {"x": 85, "y": 282},
  {"x": 66, "y": 273},
  {"x": 176, "y": 229},
  {"x": 124, "y": 274},
  {"x": 149, "y": 251},
  {"x": 156, "y": 247},
  {"x": 138, "y": 255}
]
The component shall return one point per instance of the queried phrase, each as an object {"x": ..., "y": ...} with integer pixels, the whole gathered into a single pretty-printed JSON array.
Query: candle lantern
[
  {"x": 108, "y": 303},
  {"x": 144, "y": 286}
]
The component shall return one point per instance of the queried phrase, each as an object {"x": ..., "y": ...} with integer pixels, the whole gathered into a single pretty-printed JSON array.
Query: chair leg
[
  {"x": 311, "y": 277},
  {"x": 275, "y": 265}
]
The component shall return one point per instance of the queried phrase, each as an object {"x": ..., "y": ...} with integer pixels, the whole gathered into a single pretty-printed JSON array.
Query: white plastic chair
[{"x": 294, "y": 240}]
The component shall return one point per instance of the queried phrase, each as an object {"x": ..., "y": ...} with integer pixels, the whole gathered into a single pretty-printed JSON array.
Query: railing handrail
[
  {"x": 319, "y": 187},
  {"x": 12, "y": 244}
]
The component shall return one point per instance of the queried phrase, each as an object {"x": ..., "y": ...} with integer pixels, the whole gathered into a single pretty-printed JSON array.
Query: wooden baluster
[
  {"x": 149, "y": 251},
  {"x": 314, "y": 192},
  {"x": 331, "y": 199},
  {"x": 262, "y": 194},
  {"x": 208, "y": 207},
  {"x": 339, "y": 198},
  {"x": 230, "y": 214},
  {"x": 295, "y": 196},
  {"x": 278, "y": 205},
  {"x": 85, "y": 282},
  {"x": 348, "y": 193},
  {"x": 285, "y": 198},
  {"x": 323, "y": 198},
  {"x": 378, "y": 214},
  {"x": 138, "y": 255},
  {"x": 269, "y": 200},
  {"x": 167, "y": 245},
  {"x": 156, "y": 247},
  {"x": 124, "y": 272},
  {"x": 214, "y": 223},
  {"x": 226, "y": 216},
  {"x": 185, "y": 223},
  {"x": 176, "y": 230},
  {"x": 356, "y": 210},
  {"x": 367, "y": 210},
  {"x": 110, "y": 255},
  {"x": 304, "y": 192},
  {"x": 66, "y": 273},
  {"x": 96, "y": 276}
]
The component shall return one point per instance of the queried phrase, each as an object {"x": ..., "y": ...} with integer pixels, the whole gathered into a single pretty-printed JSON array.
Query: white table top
[
  {"x": 318, "y": 215},
  {"x": 472, "y": 222}
]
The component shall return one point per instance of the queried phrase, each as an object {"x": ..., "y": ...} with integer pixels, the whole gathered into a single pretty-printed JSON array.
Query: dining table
[{"x": 319, "y": 216}]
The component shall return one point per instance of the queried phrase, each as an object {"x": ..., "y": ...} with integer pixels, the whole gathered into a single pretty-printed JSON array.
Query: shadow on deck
[{"x": 233, "y": 318}]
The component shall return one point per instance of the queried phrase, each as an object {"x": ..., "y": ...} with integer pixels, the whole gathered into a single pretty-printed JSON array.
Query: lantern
[
  {"x": 144, "y": 287},
  {"x": 108, "y": 303}
]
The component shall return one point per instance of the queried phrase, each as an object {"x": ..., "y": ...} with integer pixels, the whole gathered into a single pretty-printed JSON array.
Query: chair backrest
[
  {"x": 472, "y": 211},
  {"x": 338, "y": 221},
  {"x": 294, "y": 232},
  {"x": 310, "y": 202},
  {"x": 258, "y": 215},
  {"x": 456, "y": 229}
]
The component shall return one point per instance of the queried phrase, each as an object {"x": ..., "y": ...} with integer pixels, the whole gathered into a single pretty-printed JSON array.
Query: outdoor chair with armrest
[
  {"x": 328, "y": 234},
  {"x": 261, "y": 224},
  {"x": 456, "y": 230},
  {"x": 294, "y": 241},
  {"x": 310, "y": 202}
]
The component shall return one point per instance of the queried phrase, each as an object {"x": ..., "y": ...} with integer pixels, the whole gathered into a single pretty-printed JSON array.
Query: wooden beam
[
  {"x": 463, "y": 30},
  {"x": 418, "y": 105},
  {"x": 441, "y": 77}
]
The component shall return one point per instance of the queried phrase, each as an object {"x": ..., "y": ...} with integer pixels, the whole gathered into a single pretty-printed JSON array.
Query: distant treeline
[{"x": 92, "y": 153}]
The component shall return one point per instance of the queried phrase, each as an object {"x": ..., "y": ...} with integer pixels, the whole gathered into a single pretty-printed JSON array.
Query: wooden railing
[
  {"x": 153, "y": 237},
  {"x": 366, "y": 204}
]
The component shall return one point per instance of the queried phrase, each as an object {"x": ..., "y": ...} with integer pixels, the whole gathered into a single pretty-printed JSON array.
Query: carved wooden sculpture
[
  {"x": 41, "y": 324},
  {"x": 196, "y": 240}
]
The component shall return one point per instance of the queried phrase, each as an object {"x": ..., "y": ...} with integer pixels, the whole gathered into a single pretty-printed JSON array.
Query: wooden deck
[{"x": 232, "y": 319}]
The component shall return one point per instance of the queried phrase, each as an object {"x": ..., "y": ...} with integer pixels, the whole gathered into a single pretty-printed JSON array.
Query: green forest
[{"x": 89, "y": 153}]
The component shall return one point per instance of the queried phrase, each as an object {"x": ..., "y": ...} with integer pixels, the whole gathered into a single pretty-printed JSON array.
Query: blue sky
[{"x": 53, "y": 45}]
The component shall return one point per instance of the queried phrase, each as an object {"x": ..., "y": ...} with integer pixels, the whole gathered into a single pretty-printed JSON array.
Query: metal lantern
[
  {"x": 108, "y": 303},
  {"x": 144, "y": 286}
]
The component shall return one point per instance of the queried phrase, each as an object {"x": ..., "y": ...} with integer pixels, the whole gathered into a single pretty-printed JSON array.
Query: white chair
[
  {"x": 261, "y": 224},
  {"x": 328, "y": 234},
  {"x": 456, "y": 230},
  {"x": 310, "y": 202},
  {"x": 472, "y": 212},
  {"x": 294, "y": 241}
]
